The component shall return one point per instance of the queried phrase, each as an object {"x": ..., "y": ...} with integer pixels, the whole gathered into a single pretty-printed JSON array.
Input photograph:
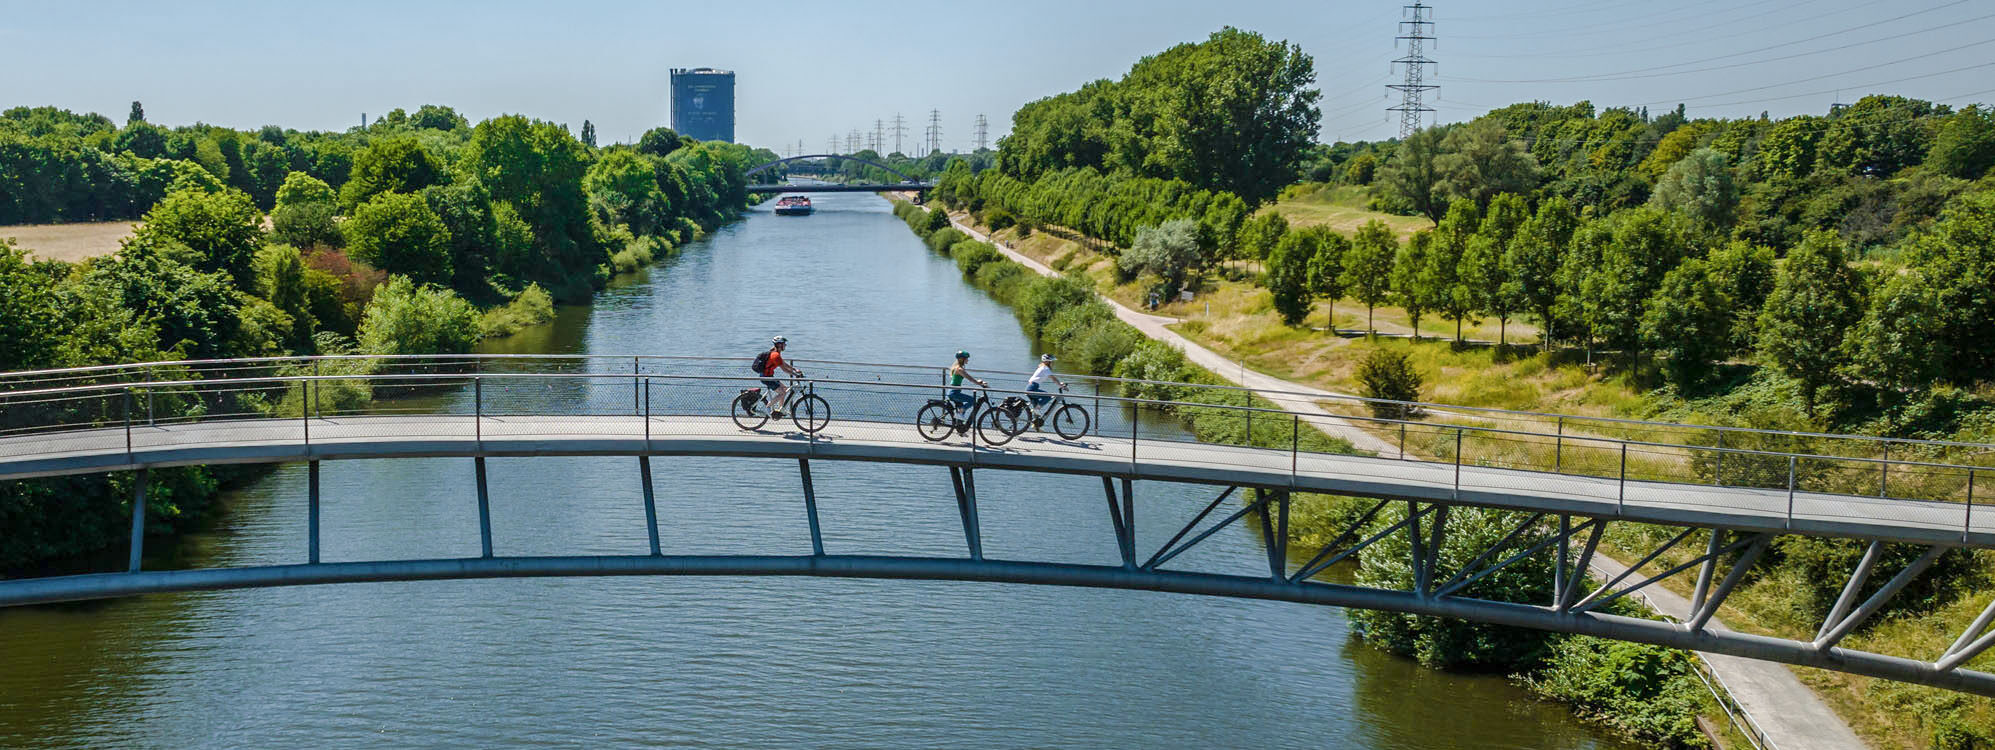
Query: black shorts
[{"x": 771, "y": 384}]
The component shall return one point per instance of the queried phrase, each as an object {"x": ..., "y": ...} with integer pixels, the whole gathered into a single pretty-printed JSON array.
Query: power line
[
  {"x": 1636, "y": 74},
  {"x": 1623, "y": 51},
  {"x": 1833, "y": 75}
]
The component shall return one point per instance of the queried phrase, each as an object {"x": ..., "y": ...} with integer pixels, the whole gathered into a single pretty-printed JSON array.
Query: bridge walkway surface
[
  {"x": 352, "y": 437},
  {"x": 1777, "y": 704}
]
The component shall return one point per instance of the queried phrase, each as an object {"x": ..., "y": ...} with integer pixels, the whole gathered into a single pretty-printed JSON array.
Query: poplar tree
[
  {"x": 1443, "y": 272},
  {"x": 1288, "y": 275},
  {"x": 1326, "y": 270},
  {"x": 1483, "y": 274},
  {"x": 1531, "y": 261},
  {"x": 1368, "y": 267},
  {"x": 1409, "y": 278}
]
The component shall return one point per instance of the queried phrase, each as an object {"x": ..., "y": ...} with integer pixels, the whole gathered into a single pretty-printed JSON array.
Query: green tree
[
  {"x": 588, "y": 134},
  {"x": 1688, "y": 323},
  {"x": 280, "y": 279},
  {"x": 1743, "y": 273},
  {"x": 1816, "y": 299},
  {"x": 1532, "y": 259},
  {"x": 403, "y": 318},
  {"x": 1167, "y": 251},
  {"x": 1958, "y": 257},
  {"x": 137, "y": 115},
  {"x": 1702, "y": 187},
  {"x": 197, "y": 313},
  {"x": 658, "y": 142},
  {"x": 1260, "y": 234},
  {"x": 537, "y": 167},
  {"x": 1288, "y": 276},
  {"x": 220, "y": 231},
  {"x": 1642, "y": 246},
  {"x": 1410, "y": 281},
  {"x": 1326, "y": 270},
  {"x": 1368, "y": 267},
  {"x": 1879, "y": 135},
  {"x": 1965, "y": 144},
  {"x": 396, "y": 164},
  {"x": 1414, "y": 174},
  {"x": 623, "y": 191},
  {"x": 1482, "y": 270},
  {"x": 1789, "y": 147},
  {"x": 1901, "y": 343},
  {"x": 438, "y": 117},
  {"x": 1481, "y": 161},
  {"x": 304, "y": 213},
  {"x": 1453, "y": 299},
  {"x": 399, "y": 234},
  {"x": 30, "y": 322}
]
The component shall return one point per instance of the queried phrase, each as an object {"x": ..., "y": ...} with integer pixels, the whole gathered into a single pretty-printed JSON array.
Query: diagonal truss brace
[
  {"x": 1876, "y": 601},
  {"x": 1275, "y": 534},
  {"x": 1321, "y": 563},
  {"x": 1165, "y": 553},
  {"x": 1705, "y": 611},
  {"x": 1526, "y": 552},
  {"x": 1576, "y": 577},
  {"x": 1962, "y": 649},
  {"x": 1123, "y": 517},
  {"x": 1667, "y": 546},
  {"x": 1716, "y": 550},
  {"x": 966, "y": 506}
]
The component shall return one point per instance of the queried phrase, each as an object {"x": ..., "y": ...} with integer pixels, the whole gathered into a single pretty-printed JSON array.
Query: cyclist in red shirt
[{"x": 778, "y": 392}]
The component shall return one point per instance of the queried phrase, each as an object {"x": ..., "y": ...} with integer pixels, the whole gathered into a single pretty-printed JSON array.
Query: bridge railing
[
  {"x": 1890, "y": 451},
  {"x": 321, "y": 399}
]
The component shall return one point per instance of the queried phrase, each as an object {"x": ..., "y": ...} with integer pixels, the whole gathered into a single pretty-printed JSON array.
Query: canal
[{"x": 690, "y": 662}]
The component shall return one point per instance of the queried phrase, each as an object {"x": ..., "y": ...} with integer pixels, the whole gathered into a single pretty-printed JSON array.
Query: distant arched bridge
[
  {"x": 909, "y": 183},
  {"x": 1568, "y": 485}
]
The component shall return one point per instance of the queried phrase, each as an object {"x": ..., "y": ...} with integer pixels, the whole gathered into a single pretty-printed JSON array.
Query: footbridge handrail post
[
  {"x": 478, "y": 410},
  {"x": 1792, "y": 461},
  {"x": 1967, "y": 519},
  {"x": 1621, "y": 500},
  {"x": 128, "y": 424}
]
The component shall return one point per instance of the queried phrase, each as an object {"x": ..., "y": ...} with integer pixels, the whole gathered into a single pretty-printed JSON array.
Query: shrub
[
  {"x": 970, "y": 255},
  {"x": 1001, "y": 279},
  {"x": 1451, "y": 643},
  {"x": 936, "y": 220},
  {"x": 1388, "y": 374},
  {"x": 1040, "y": 302},
  {"x": 999, "y": 219},
  {"x": 1152, "y": 360},
  {"x": 305, "y": 225},
  {"x": 942, "y": 240},
  {"x": 1648, "y": 692},
  {"x": 1070, "y": 324},
  {"x": 1167, "y": 251},
  {"x": 405, "y": 319},
  {"x": 1097, "y": 349},
  {"x": 532, "y": 307}
]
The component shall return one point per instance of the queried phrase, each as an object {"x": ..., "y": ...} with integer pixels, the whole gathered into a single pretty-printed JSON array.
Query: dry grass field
[{"x": 69, "y": 242}]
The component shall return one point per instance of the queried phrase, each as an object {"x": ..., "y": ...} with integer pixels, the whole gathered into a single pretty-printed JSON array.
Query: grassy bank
[
  {"x": 1644, "y": 692},
  {"x": 1782, "y": 596}
]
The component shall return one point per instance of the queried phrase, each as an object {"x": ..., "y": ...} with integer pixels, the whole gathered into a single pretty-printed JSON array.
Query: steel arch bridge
[
  {"x": 911, "y": 182},
  {"x": 140, "y": 417}
]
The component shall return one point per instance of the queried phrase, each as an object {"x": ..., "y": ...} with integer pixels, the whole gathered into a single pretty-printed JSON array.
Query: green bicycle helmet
[{"x": 962, "y": 355}]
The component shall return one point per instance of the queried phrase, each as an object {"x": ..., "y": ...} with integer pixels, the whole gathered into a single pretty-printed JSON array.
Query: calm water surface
[{"x": 731, "y": 662}]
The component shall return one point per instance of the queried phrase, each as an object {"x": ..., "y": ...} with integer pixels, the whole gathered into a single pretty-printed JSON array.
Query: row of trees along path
[{"x": 1790, "y": 714}]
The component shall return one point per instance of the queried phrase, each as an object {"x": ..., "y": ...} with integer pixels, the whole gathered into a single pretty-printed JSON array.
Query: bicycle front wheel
[
  {"x": 1070, "y": 422},
  {"x": 811, "y": 413},
  {"x": 743, "y": 411},
  {"x": 997, "y": 426}
]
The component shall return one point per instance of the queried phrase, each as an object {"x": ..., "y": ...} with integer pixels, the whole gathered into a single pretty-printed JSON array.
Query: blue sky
[{"x": 808, "y": 70}]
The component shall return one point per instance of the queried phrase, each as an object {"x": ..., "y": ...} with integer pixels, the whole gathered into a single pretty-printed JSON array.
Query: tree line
[{"x": 431, "y": 220}]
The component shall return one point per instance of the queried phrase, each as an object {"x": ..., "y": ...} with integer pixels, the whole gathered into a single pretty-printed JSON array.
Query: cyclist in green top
[{"x": 957, "y": 372}]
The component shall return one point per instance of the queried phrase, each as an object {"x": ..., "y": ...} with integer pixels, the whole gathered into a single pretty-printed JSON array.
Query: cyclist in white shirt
[{"x": 1041, "y": 375}]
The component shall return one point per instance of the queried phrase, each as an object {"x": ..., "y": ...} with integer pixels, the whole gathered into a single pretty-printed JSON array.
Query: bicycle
[
  {"x": 808, "y": 410},
  {"x": 936, "y": 420},
  {"x": 1070, "y": 421}
]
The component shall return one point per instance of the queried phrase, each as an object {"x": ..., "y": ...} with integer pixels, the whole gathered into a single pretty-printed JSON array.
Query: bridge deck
[{"x": 286, "y": 440}]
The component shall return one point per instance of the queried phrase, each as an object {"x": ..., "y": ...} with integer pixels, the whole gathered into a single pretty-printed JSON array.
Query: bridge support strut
[
  {"x": 138, "y": 519},
  {"x": 810, "y": 508},
  {"x": 966, "y": 506}
]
